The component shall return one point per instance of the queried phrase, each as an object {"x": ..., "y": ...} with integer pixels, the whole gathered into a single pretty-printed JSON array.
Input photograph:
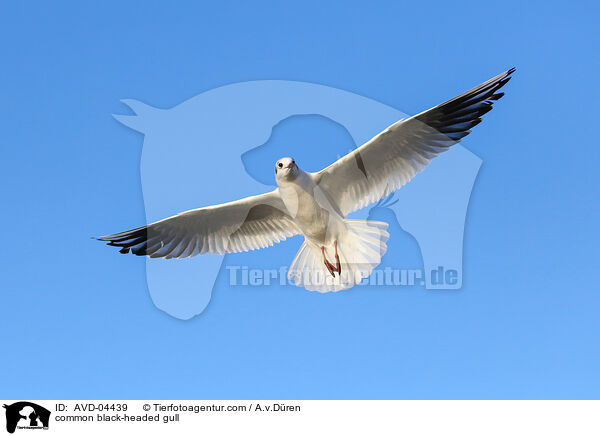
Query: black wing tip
[
  {"x": 505, "y": 75},
  {"x": 496, "y": 82},
  {"x": 127, "y": 241},
  {"x": 500, "y": 81},
  {"x": 496, "y": 96},
  {"x": 504, "y": 78},
  {"x": 456, "y": 117}
]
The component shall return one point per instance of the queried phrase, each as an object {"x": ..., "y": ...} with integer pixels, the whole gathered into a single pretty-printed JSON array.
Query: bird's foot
[
  {"x": 329, "y": 266},
  {"x": 338, "y": 266},
  {"x": 332, "y": 269}
]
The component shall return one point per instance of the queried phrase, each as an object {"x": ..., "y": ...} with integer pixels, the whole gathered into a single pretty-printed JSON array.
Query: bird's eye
[{"x": 280, "y": 165}]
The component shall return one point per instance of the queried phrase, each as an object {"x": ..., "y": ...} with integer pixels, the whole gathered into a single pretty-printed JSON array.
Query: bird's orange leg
[
  {"x": 329, "y": 266},
  {"x": 338, "y": 267},
  {"x": 332, "y": 269}
]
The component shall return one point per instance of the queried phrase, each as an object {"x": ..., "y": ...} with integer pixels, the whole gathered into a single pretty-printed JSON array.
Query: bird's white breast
[{"x": 310, "y": 209}]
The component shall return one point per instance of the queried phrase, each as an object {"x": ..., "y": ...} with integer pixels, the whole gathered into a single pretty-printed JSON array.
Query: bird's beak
[{"x": 291, "y": 165}]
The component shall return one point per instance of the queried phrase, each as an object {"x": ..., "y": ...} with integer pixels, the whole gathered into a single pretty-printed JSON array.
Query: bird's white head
[{"x": 286, "y": 169}]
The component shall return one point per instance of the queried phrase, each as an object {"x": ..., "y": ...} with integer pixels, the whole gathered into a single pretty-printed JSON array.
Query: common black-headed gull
[{"x": 337, "y": 253}]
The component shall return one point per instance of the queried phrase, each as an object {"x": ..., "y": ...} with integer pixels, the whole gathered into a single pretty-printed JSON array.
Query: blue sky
[{"x": 77, "y": 320}]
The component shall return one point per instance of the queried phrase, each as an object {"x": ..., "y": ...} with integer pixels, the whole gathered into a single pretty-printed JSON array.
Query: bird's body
[
  {"x": 337, "y": 252},
  {"x": 355, "y": 247},
  {"x": 312, "y": 213}
]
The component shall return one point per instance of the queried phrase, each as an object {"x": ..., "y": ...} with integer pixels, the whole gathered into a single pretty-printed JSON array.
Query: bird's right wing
[
  {"x": 247, "y": 224},
  {"x": 392, "y": 158}
]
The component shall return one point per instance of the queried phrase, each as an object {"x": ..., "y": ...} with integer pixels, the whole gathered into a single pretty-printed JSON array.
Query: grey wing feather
[
  {"x": 247, "y": 224},
  {"x": 391, "y": 159}
]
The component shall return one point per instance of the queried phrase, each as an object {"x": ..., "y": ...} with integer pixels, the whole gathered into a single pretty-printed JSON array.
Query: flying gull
[{"x": 337, "y": 253}]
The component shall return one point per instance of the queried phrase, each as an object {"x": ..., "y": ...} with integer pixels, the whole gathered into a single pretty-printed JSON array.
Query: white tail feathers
[{"x": 360, "y": 250}]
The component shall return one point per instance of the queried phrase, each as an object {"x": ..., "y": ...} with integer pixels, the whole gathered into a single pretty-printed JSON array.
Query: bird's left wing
[
  {"x": 247, "y": 224},
  {"x": 392, "y": 158}
]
